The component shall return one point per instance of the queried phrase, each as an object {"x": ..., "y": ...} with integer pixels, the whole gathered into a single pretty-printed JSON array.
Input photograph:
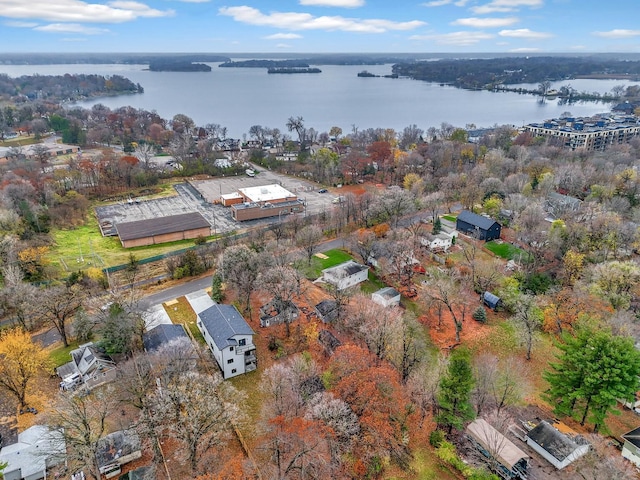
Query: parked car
[{"x": 323, "y": 190}]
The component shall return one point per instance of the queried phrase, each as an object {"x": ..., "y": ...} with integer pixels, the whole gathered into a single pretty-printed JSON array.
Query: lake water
[{"x": 238, "y": 98}]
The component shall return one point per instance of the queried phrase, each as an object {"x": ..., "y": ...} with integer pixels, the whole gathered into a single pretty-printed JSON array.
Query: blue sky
[{"x": 308, "y": 26}]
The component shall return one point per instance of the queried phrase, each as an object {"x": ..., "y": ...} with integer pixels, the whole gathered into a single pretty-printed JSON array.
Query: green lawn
[
  {"x": 61, "y": 355},
  {"x": 507, "y": 250},
  {"x": 450, "y": 218},
  {"x": 314, "y": 269},
  {"x": 78, "y": 248},
  {"x": 182, "y": 313},
  {"x": 373, "y": 284}
]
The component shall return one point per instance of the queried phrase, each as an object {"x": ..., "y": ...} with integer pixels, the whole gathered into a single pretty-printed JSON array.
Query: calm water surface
[{"x": 241, "y": 97}]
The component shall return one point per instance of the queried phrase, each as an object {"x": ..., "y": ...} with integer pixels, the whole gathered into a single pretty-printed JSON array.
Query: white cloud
[
  {"x": 441, "y": 3},
  {"x": 283, "y": 45},
  {"x": 76, "y": 39},
  {"x": 78, "y": 11},
  {"x": 306, "y": 21},
  {"x": 524, "y": 33},
  {"x": 618, "y": 33},
  {"x": 333, "y": 3},
  {"x": 71, "y": 28},
  {"x": 193, "y": 1},
  {"x": 486, "y": 22},
  {"x": 506, "y": 6},
  {"x": 283, "y": 36},
  {"x": 21, "y": 24},
  {"x": 525, "y": 50},
  {"x": 460, "y": 39}
]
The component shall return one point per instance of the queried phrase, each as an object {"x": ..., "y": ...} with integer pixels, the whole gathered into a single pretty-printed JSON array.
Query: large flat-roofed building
[
  {"x": 591, "y": 134},
  {"x": 264, "y": 201},
  {"x": 163, "y": 229}
]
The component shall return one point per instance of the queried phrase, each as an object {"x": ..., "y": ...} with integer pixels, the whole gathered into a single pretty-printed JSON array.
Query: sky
[{"x": 320, "y": 26}]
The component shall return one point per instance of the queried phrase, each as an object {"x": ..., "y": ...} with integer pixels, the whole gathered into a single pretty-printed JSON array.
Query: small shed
[
  {"x": 556, "y": 447},
  {"x": 478, "y": 226},
  {"x": 327, "y": 310},
  {"x": 387, "y": 297},
  {"x": 492, "y": 301},
  {"x": 631, "y": 447}
]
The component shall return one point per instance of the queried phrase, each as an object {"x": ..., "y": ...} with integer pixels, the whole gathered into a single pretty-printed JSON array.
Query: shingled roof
[
  {"x": 559, "y": 445},
  {"x": 223, "y": 322},
  {"x": 163, "y": 334},
  {"x": 474, "y": 219},
  {"x": 161, "y": 225}
]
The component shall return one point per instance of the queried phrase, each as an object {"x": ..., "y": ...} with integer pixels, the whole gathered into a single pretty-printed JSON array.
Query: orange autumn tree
[
  {"x": 376, "y": 396},
  {"x": 566, "y": 306}
]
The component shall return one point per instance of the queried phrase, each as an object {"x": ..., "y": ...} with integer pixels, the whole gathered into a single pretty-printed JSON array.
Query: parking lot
[{"x": 199, "y": 195}]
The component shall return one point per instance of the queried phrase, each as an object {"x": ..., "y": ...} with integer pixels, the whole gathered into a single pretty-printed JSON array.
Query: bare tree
[
  {"x": 240, "y": 266},
  {"x": 308, "y": 238},
  {"x": 407, "y": 347},
  {"x": 145, "y": 152},
  {"x": 199, "y": 410},
  {"x": 17, "y": 298},
  {"x": 284, "y": 283},
  {"x": 528, "y": 318},
  {"x": 81, "y": 421},
  {"x": 58, "y": 305},
  {"x": 444, "y": 288}
]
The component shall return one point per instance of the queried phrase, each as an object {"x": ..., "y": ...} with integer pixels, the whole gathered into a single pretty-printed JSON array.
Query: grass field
[
  {"x": 451, "y": 218},
  {"x": 507, "y": 251},
  {"x": 182, "y": 313},
  {"x": 314, "y": 270},
  {"x": 61, "y": 354},
  {"x": 78, "y": 248}
]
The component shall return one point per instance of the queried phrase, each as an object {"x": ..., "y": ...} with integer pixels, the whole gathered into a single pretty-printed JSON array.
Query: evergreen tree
[
  {"x": 454, "y": 395},
  {"x": 437, "y": 226},
  {"x": 595, "y": 369},
  {"x": 480, "y": 314}
]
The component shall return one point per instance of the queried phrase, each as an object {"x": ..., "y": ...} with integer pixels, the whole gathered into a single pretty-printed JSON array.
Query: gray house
[
  {"x": 230, "y": 339},
  {"x": 478, "y": 226}
]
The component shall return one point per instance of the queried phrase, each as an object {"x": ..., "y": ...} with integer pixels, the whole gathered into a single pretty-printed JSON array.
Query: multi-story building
[{"x": 591, "y": 134}]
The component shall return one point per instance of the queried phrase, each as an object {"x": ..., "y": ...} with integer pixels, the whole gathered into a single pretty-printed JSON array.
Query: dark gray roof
[
  {"x": 116, "y": 445},
  {"x": 328, "y": 310},
  {"x": 633, "y": 437},
  {"x": 223, "y": 322},
  {"x": 162, "y": 334},
  {"x": 552, "y": 440},
  {"x": 161, "y": 225},
  {"x": 477, "y": 220}
]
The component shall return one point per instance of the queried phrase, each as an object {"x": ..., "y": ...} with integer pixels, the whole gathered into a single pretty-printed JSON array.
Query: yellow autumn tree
[{"x": 21, "y": 361}]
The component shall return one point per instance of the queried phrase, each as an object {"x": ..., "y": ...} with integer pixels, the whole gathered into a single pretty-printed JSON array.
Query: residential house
[
  {"x": 230, "y": 339},
  {"x": 162, "y": 335},
  {"x": 117, "y": 449},
  {"x": 327, "y": 311},
  {"x": 37, "y": 451},
  {"x": 631, "y": 447},
  {"x": 88, "y": 366},
  {"x": 276, "y": 312},
  {"x": 387, "y": 297},
  {"x": 440, "y": 242},
  {"x": 558, "y": 448},
  {"x": 557, "y": 204},
  {"x": 346, "y": 274},
  {"x": 478, "y": 226}
]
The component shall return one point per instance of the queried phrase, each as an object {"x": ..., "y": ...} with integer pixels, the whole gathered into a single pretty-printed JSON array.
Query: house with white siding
[
  {"x": 346, "y": 274},
  {"x": 230, "y": 339}
]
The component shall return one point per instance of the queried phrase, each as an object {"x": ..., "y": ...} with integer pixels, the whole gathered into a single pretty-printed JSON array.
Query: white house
[
  {"x": 556, "y": 447},
  {"x": 387, "y": 297},
  {"x": 230, "y": 339},
  {"x": 631, "y": 447},
  {"x": 88, "y": 366},
  {"x": 439, "y": 242},
  {"x": 38, "y": 450},
  {"x": 346, "y": 274}
]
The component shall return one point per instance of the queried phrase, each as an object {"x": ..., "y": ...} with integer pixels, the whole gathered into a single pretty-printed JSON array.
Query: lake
[{"x": 238, "y": 98}]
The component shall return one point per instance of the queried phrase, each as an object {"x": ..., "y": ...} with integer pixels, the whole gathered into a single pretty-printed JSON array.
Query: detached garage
[{"x": 163, "y": 230}]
